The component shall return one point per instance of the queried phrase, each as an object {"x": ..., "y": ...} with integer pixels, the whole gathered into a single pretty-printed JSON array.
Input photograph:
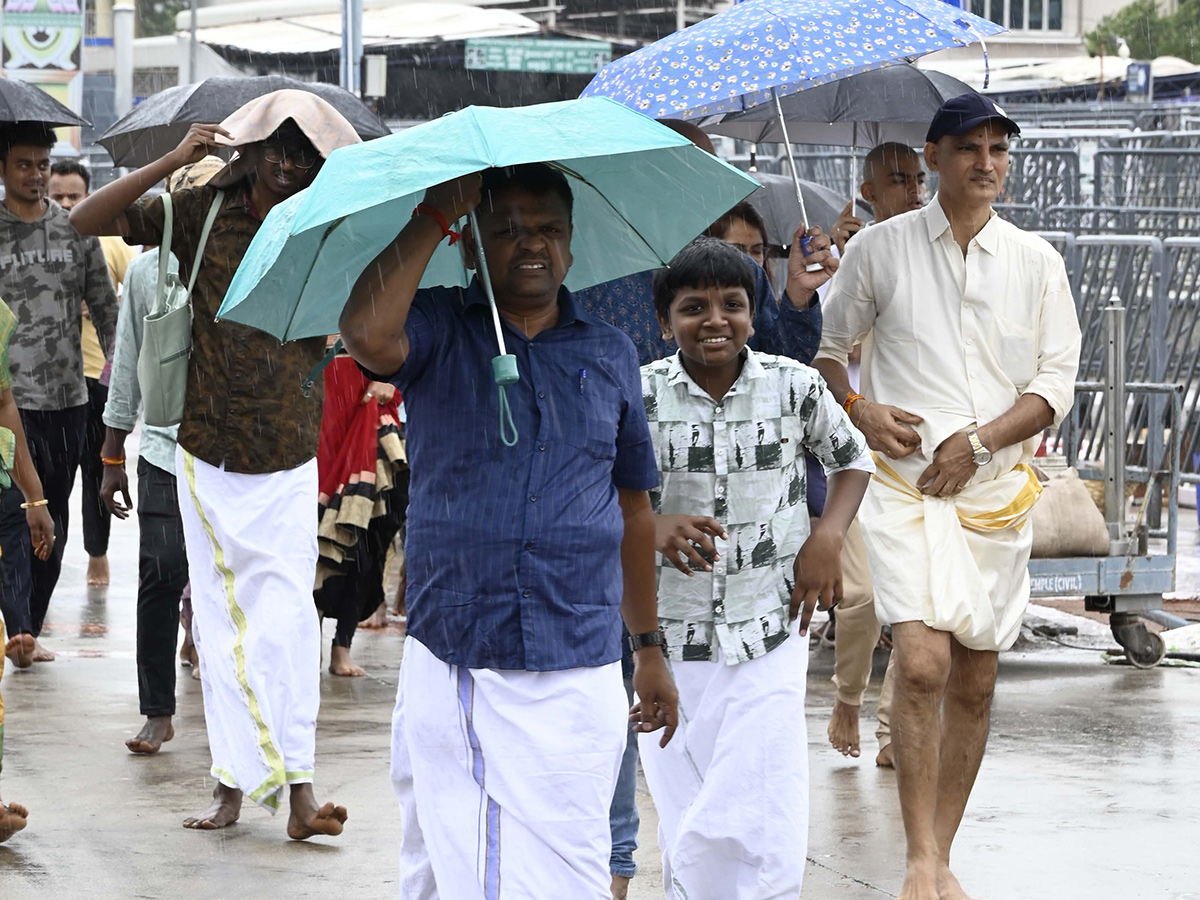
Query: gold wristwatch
[{"x": 983, "y": 455}]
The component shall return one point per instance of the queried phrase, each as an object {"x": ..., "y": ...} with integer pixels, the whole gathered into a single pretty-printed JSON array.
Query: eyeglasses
[{"x": 301, "y": 159}]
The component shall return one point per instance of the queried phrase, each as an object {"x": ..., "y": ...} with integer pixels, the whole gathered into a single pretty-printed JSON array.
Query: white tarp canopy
[
  {"x": 1045, "y": 74},
  {"x": 315, "y": 26}
]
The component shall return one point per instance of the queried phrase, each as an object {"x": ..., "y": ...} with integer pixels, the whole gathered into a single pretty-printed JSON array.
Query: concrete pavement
[{"x": 1088, "y": 790}]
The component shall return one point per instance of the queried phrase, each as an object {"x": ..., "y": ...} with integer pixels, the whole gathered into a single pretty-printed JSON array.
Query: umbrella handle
[
  {"x": 787, "y": 143},
  {"x": 504, "y": 366}
]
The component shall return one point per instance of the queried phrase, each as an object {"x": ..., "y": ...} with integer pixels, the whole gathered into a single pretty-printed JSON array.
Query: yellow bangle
[{"x": 35, "y": 504}]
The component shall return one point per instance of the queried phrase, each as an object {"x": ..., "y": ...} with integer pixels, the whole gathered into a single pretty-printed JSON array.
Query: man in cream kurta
[{"x": 974, "y": 350}]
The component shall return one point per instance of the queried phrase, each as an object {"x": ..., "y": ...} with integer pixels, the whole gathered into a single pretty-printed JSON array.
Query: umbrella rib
[
  {"x": 296, "y": 308},
  {"x": 624, "y": 218}
]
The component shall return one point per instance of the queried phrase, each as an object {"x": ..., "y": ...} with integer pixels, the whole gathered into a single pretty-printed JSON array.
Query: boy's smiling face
[{"x": 711, "y": 324}]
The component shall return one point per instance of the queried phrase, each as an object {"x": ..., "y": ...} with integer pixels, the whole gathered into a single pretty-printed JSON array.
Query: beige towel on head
[{"x": 261, "y": 117}]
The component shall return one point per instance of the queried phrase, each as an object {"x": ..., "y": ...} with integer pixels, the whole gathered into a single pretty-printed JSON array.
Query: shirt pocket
[
  {"x": 591, "y": 417},
  {"x": 1016, "y": 350}
]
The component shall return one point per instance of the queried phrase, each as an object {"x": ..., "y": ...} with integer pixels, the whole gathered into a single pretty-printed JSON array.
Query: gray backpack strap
[
  {"x": 208, "y": 224},
  {"x": 164, "y": 256}
]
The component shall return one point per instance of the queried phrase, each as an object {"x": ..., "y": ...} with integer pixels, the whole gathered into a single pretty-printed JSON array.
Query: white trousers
[
  {"x": 505, "y": 779},
  {"x": 252, "y": 557},
  {"x": 731, "y": 788}
]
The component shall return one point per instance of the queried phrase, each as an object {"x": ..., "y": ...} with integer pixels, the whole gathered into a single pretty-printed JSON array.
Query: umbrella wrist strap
[
  {"x": 434, "y": 213},
  {"x": 508, "y": 428}
]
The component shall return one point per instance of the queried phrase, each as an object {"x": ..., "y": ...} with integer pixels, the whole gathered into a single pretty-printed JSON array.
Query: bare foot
[
  {"x": 620, "y": 887},
  {"x": 340, "y": 663},
  {"x": 377, "y": 619},
  {"x": 948, "y": 886},
  {"x": 843, "y": 729},
  {"x": 40, "y": 653},
  {"x": 156, "y": 732},
  {"x": 920, "y": 883},
  {"x": 20, "y": 650},
  {"x": 188, "y": 655},
  {"x": 307, "y": 820},
  {"x": 886, "y": 759},
  {"x": 97, "y": 573},
  {"x": 224, "y": 811},
  {"x": 12, "y": 820},
  {"x": 196, "y": 671}
]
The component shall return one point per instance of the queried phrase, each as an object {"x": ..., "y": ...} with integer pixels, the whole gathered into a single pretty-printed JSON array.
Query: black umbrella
[
  {"x": 892, "y": 104},
  {"x": 156, "y": 125},
  {"x": 21, "y": 102}
]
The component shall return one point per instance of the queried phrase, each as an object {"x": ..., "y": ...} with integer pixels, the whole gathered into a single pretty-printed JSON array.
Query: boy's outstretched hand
[
  {"x": 818, "y": 572},
  {"x": 657, "y": 705},
  {"x": 675, "y": 535}
]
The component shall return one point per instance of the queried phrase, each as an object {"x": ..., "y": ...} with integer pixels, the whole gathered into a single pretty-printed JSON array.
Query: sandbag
[{"x": 1065, "y": 520}]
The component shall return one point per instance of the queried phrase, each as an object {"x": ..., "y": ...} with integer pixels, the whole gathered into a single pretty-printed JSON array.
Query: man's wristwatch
[
  {"x": 636, "y": 642},
  {"x": 982, "y": 454}
]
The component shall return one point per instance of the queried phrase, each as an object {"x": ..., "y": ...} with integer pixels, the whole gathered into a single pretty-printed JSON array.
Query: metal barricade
[
  {"x": 1147, "y": 178},
  {"x": 1133, "y": 268},
  {"x": 1181, "y": 290},
  {"x": 1042, "y": 177}
]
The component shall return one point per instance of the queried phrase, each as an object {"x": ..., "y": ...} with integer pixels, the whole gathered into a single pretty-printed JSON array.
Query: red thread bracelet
[{"x": 436, "y": 214}]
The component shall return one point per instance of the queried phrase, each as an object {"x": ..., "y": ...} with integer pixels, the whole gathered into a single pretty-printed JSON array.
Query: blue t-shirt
[{"x": 513, "y": 553}]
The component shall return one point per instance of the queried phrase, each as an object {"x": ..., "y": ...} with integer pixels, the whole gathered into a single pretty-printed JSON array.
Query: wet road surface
[{"x": 1089, "y": 789}]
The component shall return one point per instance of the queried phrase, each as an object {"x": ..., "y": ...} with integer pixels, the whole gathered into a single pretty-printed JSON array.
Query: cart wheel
[
  {"x": 1143, "y": 648},
  {"x": 1152, "y": 651}
]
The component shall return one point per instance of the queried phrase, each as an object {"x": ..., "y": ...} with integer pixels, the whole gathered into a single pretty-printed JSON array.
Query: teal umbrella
[{"x": 642, "y": 192}]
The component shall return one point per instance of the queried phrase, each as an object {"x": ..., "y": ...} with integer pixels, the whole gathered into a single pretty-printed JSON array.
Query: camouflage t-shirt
[
  {"x": 47, "y": 271},
  {"x": 244, "y": 404}
]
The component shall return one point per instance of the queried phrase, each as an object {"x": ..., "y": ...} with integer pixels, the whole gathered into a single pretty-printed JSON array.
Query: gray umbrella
[
  {"x": 156, "y": 125},
  {"x": 776, "y": 201},
  {"x": 21, "y": 102},
  {"x": 892, "y": 104}
]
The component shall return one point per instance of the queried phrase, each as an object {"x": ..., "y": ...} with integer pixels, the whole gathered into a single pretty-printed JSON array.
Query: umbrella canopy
[
  {"x": 156, "y": 125},
  {"x": 892, "y": 104},
  {"x": 744, "y": 56},
  {"x": 642, "y": 192},
  {"x": 21, "y": 102},
  {"x": 776, "y": 201}
]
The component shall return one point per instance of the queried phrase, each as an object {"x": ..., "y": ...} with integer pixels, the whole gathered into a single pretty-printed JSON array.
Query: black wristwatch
[{"x": 636, "y": 642}]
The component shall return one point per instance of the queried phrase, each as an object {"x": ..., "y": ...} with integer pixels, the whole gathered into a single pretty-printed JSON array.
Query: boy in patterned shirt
[{"x": 740, "y": 565}]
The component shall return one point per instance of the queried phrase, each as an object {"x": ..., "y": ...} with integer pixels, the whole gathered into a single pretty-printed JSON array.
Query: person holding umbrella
[
  {"x": 975, "y": 347},
  {"x": 511, "y": 716},
  {"x": 47, "y": 273},
  {"x": 246, "y": 458}
]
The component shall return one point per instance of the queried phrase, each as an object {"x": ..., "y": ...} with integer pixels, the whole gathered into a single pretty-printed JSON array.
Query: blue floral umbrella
[{"x": 760, "y": 50}]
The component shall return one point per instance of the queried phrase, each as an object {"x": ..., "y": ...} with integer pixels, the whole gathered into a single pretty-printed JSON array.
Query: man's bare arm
[
  {"x": 954, "y": 462},
  {"x": 104, "y": 211},
  {"x": 372, "y": 322},
  {"x": 887, "y": 428}
]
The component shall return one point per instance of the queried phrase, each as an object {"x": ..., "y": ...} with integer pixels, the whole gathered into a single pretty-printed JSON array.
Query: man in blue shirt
[{"x": 522, "y": 560}]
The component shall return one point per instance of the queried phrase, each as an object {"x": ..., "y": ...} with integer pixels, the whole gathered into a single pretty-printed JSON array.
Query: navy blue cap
[{"x": 960, "y": 114}]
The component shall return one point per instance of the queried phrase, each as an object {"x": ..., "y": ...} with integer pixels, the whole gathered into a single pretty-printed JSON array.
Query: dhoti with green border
[{"x": 252, "y": 555}]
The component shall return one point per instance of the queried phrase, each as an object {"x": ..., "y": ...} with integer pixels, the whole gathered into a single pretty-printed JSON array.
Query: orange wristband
[
  {"x": 112, "y": 462},
  {"x": 850, "y": 400}
]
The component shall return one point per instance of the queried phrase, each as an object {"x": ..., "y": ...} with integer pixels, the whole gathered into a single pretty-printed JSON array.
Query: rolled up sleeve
[
  {"x": 849, "y": 308},
  {"x": 1059, "y": 340},
  {"x": 124, "y": 392}
]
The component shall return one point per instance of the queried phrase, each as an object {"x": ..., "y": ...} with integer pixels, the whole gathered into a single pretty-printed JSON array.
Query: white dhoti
[
  {"x": 731, "y": 788},
  {"x": 505, "y": 779},
  {"x": 252, "y": 556},
  {"x": 959, "y": 564}
]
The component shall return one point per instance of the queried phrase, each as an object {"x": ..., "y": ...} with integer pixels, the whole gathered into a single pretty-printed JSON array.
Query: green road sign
[{"x": 538, "y": 55}]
